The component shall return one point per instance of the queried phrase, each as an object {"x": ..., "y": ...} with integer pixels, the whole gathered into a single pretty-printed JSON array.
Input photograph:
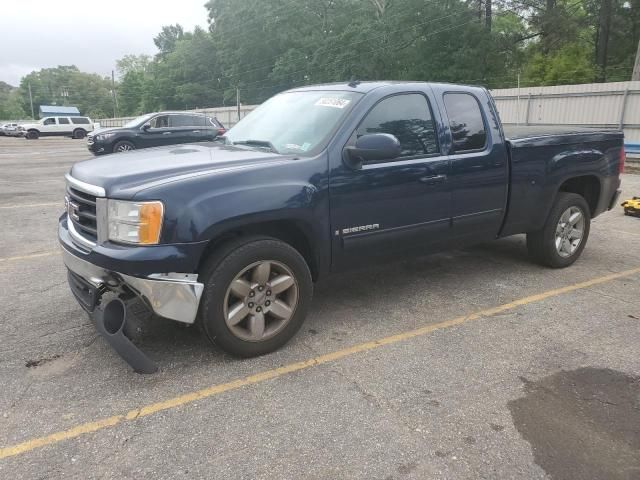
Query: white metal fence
[
  {"x": 227, "y": 115},
  {"x": 612, "y": 105}
]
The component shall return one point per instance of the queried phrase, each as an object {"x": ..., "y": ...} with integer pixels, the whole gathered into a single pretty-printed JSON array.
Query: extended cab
[
  {"x": 65, "y": 126},
  {"x": 232, "y": 234}
]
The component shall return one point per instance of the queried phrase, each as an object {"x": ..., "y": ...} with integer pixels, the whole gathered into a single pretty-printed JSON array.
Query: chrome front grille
[
  {"x": 82, "y": 211},
  {"x": 86, "y": 212}
]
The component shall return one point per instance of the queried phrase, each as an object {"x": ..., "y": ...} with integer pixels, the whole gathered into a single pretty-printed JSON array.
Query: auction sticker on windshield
[{"x": 332, "y": 102}]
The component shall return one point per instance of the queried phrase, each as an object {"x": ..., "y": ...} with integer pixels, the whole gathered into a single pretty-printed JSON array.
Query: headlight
[
  {"x": 134, "y": 222},
  {"x": 104, "y": 136}
]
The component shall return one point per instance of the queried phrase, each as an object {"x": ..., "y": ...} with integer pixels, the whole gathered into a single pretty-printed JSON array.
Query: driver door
[
  {"x": 159, "y": 133},
  {"x": 398, "y": 205}
]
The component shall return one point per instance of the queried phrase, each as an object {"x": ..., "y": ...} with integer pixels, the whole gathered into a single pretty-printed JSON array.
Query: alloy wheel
[
  {"x": 569, "y": 231},
  {"x": 260, "y": 301}
]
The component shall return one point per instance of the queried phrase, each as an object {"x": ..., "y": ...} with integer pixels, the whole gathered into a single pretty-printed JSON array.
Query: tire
[
  {"x": 32, "y": 135},
  {"x": 123, "y": 146},
  {"x": 542, "y": 245},
  {"x": 79, "y": 134},
  {"x": 250, "y": 336}
]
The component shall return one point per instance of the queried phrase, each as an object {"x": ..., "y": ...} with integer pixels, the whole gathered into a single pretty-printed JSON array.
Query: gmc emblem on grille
[{"x": 72, "y": 210}]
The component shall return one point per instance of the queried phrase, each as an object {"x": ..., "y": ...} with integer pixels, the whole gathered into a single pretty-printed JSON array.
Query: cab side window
[
  {"x": 63, "y": 121},
  {"x": 408, "y": 117},
  {"x": 187, "y": 120},
  {"x": 161, "y": 121},
  {"x": 49, "y": 121},
  {"x": 466, "y": 122}
]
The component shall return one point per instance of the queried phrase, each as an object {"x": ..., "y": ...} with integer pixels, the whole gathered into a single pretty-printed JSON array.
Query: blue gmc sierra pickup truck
[{"x": 232, "y": 234}]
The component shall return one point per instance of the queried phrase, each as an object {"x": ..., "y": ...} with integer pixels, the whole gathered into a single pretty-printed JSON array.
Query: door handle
[
  {"x": 166, "y": 133},
  {"x": 196, "y": 131},
  {"x": 433, "y": 179}
]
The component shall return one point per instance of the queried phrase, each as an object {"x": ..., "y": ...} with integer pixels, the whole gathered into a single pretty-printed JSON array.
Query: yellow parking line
[
  {"x": 27, "y": 257},
  {"x": 29, "y": 205},
  {"x": 214, "y": 390}
]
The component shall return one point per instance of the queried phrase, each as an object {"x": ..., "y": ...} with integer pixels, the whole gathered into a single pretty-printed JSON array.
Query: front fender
[{"x": 218, "y": 212}]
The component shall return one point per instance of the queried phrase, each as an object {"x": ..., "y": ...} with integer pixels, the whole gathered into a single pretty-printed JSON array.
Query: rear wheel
[
  {"x": 79, "y": 133},
  {"x": 257, "y": 292},
  {"x": 32, "y": 134},
  {"x": 564, "y": 235},
  {"x": 123, "y": 146}
]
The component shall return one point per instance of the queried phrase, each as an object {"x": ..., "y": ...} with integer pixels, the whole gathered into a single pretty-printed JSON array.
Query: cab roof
[{"x": 368, "y": 86}]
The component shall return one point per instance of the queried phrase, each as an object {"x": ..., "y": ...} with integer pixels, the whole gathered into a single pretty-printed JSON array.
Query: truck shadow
[{"x": 366, "y": 298}]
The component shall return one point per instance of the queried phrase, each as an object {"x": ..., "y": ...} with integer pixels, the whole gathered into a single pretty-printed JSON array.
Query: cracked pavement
[{"x": 497, "y": 397}]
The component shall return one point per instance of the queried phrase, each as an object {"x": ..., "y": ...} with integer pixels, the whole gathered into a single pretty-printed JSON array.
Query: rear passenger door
[
  {"x": 188, "y": 128},
  {"x": 64, "y": 126},
  {"x": 479, "y": 166}
]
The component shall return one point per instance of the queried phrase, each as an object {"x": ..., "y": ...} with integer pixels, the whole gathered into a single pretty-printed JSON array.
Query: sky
[{"x": 92, "y": 35}]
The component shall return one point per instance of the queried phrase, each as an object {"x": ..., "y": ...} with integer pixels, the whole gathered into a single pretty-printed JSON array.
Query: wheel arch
[
  {"x": 293, "y": 232},
  {"x": 587, "y": 186}
]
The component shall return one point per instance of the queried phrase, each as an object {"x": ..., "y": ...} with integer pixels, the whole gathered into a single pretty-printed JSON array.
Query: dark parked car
[
  {"x": 317, "y": 180},
  {"x": 155, "y": 130}
]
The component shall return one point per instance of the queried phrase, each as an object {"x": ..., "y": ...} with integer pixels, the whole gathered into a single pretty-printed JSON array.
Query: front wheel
[
  {"x": 123, "y": 146},
  {"x": 32, "y": 135},
  {"x": 257, "y": 292},
  {"x": 565, "y": 233}
]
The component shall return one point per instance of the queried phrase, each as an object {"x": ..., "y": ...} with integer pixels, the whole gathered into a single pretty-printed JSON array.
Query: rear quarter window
[
  {"x": 466, "y": 122},
  {"x": 80, "y": 120}
]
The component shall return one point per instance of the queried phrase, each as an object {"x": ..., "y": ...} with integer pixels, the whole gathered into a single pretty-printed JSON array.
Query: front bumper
[
  {"x": 96, "y": 146},
  {"x": 172, "y": 295}
]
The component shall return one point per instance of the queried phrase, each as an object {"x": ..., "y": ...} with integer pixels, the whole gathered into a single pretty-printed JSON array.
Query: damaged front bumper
[{"x": 175, "y": 296}]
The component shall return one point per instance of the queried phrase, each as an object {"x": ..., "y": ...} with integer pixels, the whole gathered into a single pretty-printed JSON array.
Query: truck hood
[{"x": 122, "y": 175}]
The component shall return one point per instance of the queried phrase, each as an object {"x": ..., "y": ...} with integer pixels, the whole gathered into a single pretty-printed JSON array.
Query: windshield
[
  {"x": 137, "y": 121},
  {"x": 294, "y": 122}
]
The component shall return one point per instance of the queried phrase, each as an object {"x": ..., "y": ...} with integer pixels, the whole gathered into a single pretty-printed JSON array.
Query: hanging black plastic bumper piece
[{"x": 110, "y": 320}]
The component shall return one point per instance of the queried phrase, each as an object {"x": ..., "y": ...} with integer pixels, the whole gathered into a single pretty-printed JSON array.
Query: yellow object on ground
[{"x": 632, "y": 207}]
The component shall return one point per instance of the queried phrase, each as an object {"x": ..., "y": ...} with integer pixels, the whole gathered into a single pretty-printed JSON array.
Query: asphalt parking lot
[{"x": 465, "y": 364}]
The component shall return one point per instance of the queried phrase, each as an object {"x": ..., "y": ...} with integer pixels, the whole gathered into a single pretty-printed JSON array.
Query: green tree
[
  {"x": 66, "y": 85},
  {"x": 10, "y": 104},
  {"x": 168, "y": 37}
]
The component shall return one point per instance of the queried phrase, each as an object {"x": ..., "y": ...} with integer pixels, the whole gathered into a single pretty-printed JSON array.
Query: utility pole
[
  {"x": 488, "y": 14},
  {"x": 113, "y": 93},
  {"x": 31, "y": 100},
  {"x": 518, "y": 104},
  {"x": 64, "y": 93},
  {"x": 238, "y": 101},
  {"x": 636, "y": 68}
]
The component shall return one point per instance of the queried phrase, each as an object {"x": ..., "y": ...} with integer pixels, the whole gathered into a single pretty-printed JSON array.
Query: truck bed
[
  {"x": 542, "y": 157},
  {"x": 521, "y": 132}
]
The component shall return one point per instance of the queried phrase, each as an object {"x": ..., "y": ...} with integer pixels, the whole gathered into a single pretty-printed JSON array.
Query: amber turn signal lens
[{"x": 150, "y": 218}]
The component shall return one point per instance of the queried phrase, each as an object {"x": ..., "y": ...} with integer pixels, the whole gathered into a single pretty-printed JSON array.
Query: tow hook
[{"x": 110, "y": 320}]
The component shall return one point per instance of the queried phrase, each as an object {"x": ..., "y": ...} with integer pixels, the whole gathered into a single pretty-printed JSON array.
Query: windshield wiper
[{"x": 257, "y": 143}]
